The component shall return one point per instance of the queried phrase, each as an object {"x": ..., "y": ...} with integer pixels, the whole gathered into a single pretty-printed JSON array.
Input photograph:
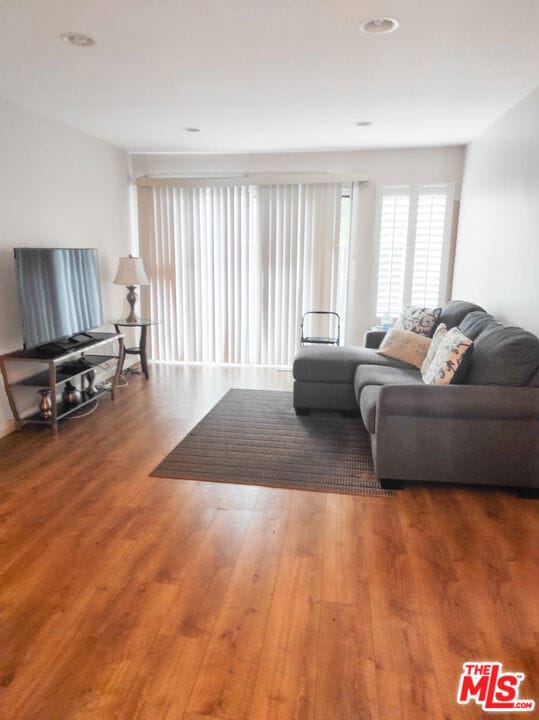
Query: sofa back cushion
[
  {"x": 454, "y": 312},
  {"x": 475, "y": 322},
  {"x": 503, "y": 356}
]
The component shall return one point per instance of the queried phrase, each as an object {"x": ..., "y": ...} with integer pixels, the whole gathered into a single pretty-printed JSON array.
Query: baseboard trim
[{"x": 7, "y": 427}]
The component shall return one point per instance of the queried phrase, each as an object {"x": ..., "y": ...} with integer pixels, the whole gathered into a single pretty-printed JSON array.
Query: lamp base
[{"x": 131, "y": 299}]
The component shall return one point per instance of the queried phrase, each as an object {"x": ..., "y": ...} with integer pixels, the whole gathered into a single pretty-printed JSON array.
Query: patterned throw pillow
[
  {"x": 409, "y": 347},
  {"x": 420, "y": 320},
  {"x": 448, "y": 360},
  {"x": 434, "y": 345}
]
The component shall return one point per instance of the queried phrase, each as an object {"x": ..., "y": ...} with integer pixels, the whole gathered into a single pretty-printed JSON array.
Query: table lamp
[{"x": 130, "y": 273}]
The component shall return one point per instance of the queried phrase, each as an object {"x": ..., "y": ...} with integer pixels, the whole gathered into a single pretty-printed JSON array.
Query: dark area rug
[{"x": 254, "y": 437}]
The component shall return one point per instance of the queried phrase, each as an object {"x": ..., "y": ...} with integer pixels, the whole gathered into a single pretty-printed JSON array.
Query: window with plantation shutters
[
  {"x": 414, "y": 225},
  {"x": 429, "y": 246},
  {"x": 393, "y": 240}
]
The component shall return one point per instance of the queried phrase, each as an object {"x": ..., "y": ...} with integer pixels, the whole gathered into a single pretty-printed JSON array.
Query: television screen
[{"x": 59, "y": 293}]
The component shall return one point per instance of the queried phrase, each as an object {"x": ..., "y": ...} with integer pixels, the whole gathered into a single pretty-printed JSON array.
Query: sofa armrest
[
  {"x": 373, "y": 338},
  {"x": 490, "y": 402},
  {"x": 468, "y": 434}
]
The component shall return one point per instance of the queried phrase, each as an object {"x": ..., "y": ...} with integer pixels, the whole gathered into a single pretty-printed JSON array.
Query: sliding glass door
[{"x": 233, "y": 268}]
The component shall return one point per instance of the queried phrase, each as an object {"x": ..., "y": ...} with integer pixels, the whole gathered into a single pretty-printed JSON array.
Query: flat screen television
[{"x": 59, "y": 293}]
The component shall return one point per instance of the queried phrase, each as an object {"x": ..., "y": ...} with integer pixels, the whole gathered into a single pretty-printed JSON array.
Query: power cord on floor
[
  {"x": 103, "y": 366},
  {"x": 94, "y": 407}
]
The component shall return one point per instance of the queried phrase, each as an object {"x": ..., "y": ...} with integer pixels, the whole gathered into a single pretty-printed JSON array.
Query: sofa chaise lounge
[{"x": 482, "y": 431}]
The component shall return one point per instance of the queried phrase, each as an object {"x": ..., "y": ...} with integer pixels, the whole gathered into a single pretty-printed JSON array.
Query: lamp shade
[{"x": 131, "y": 272}]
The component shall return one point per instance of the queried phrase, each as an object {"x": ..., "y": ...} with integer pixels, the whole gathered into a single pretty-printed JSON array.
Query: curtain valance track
[{"x": 246, "y": 179}]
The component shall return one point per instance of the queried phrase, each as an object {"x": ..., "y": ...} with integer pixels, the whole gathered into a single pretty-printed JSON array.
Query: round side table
[{"x": 141, "y": 348}]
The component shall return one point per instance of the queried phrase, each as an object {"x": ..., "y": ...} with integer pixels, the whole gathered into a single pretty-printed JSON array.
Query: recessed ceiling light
[
  {"x": 77, "y": 39},
  {"x": 363, "y": 123},
  {"x": 379, "y": 26},
  {"x": 192, "y": 129}
]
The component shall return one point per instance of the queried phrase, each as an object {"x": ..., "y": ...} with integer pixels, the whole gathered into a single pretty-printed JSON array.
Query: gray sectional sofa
[{"x": 482, "y": 431}]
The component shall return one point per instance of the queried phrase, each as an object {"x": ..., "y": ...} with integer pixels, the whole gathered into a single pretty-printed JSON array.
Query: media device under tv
[{"x": 59, "y": 296}]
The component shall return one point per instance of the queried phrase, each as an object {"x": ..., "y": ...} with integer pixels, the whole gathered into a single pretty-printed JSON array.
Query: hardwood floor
[{"x": 131, "y": 597}]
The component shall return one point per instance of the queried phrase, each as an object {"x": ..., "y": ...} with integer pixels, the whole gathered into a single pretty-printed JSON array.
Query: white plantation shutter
[
  {"x": 414, "y": 226},
  {"x": 393, "y": 239},
  {"x": 431, "y": 242}
]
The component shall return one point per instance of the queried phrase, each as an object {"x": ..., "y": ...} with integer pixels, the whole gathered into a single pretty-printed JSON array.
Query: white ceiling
[{"x": 274, "y": 75}]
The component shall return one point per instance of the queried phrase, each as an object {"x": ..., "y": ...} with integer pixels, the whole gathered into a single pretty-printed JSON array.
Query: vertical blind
[
  {"x": 413, "y": 229},
  {"x": 233, "y": 268},
  {"x": 297, "y": 237}
]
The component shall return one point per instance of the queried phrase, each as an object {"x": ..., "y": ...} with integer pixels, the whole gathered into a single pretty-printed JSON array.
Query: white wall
[
  {"x": 388, "y": 166},
  {"x": 497, "y": 259},
  {"x": 379, "y": 167},
  {"x": 58, "y": 188}
]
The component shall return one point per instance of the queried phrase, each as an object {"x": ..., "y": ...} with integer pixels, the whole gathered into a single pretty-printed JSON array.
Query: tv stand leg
[
  {"x": 119, "y": 367},
  {"x": 54, "y": 404},
  {"x": 143, "y": 357},
  {"x": 11, "y": 397}
]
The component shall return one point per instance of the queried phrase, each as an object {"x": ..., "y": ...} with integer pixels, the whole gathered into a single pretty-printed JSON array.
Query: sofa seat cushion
[
  {"x": 337, "y": 364},
  {"x": 504, "y": 355},
  {"x": 454, "y": 312},
  {"x": 372, "y": 375},
  {"x": 367, "y": 406}
]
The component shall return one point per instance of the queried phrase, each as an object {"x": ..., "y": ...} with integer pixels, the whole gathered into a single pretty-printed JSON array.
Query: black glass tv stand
[
  {"x": 79, "y": 341},
  {"x": 62, "y": 365}
]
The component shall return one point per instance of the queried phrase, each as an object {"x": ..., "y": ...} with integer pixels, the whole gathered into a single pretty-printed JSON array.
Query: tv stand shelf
[
  {"x": 67, "y": 372},
  {"x": 63, "y": 365}
]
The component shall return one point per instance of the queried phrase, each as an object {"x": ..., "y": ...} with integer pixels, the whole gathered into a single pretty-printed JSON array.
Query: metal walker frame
[{"x": 318, "y": 340}]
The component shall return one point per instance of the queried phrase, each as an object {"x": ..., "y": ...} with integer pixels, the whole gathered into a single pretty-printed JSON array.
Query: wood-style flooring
[{"x": 135, "y": 598}]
